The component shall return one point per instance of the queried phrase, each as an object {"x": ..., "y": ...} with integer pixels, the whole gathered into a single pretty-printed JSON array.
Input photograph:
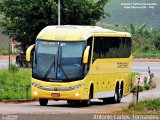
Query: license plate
[{"x": 55, "y": 94}]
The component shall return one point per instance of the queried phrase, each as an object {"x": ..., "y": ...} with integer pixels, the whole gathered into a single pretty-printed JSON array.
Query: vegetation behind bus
[
  {"x": 17, "y": 15},
  {"x": 14, "y": 87}
]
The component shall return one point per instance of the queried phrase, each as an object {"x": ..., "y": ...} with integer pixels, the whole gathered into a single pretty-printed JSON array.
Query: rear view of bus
[{"x": 80, "y": 63}]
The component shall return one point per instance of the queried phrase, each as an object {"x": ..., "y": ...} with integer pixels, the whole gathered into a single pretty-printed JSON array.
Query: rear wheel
[
  {"x": 117, "y": 97},
  {"x": 108, "y": 100},
  {"x": 43, "y": 102}
]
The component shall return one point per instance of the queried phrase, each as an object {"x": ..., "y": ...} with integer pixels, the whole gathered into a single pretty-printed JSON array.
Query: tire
[
  {"x": 24, "y": 63},
  {"x": 43, "y": 102},
  {"x": 117, "y": 97},
  {"x": 107, "y": 100},
  {"x": 18, "y": 62},
  {"x": 120, "y": 93},
  {"x": 87, "y": 103},
  {"x": 70, "y": 101}
]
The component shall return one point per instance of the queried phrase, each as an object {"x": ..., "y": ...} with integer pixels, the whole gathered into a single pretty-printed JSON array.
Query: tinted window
[{"x": 112, "y": 47}]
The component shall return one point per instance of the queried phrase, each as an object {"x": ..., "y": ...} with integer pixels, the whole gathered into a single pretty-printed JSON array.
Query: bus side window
[{"x": 111, "y": 47}]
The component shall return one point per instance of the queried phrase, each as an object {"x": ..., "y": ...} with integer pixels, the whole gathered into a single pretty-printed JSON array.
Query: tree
[
  {"x": 23, "y": 19},
  {"x": 141, "y": 38}
]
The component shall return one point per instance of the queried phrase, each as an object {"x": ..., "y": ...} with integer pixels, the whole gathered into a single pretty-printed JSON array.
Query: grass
[
  {"x": 3, "y": 50},
  {"x": 146, "y": 85},
  {"x": 14, "y": 88},
  {"x": 147, "y": 55},
  {"x": 144, "y": 107}
]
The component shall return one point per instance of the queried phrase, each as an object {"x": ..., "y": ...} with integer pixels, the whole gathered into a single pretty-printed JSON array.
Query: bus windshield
[{"x": 58, "y": 61}]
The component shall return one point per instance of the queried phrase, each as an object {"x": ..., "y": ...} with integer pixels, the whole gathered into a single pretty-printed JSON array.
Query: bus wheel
[
  {"x": 43, "y": 102},
  {"x": 18, "y": 62},
  {"x": 88, "y": 102},
  {"x": 24, "y": 64},
  {"x": 120, "y": 93},
  {"x": 117, "y": 96},
  {"x": 70, "y": 101}
]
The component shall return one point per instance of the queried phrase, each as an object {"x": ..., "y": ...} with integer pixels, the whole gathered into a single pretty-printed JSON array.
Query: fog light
[
  {"x": 35, "y": 93},
  {"x": 77, "y": 94}
]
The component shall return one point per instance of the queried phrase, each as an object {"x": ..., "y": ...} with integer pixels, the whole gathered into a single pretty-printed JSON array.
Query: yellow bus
[{"x": 80, "y": 63}]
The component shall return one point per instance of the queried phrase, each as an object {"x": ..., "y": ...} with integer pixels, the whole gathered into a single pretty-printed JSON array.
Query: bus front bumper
[{"x": 77, "y": 94}]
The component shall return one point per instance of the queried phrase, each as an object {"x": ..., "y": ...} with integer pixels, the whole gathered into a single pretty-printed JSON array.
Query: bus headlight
[
  {"x": 35, "y": 93},
  {"x": 76, "y": 94},
  {"x": 76, "y": 86},
  {"x": 36, "y": 85}
]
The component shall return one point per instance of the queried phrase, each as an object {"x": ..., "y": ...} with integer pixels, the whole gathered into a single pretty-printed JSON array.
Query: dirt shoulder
[
  {"x": 6, "y": 57},
  {"x": 145, "y": 60}
]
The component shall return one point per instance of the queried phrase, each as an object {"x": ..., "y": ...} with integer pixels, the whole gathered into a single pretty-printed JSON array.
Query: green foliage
[
  {"x": 152, "y": 104},
  {"x": 147, "y": 107},
  {"x": 144, "y": 40},
  {"x": 138, "y": 54},
  {"x": 23, "y": 19},
  {"x": 146, "y": 86},
  {"x": 4, "y": 50},
  {"x": 11, "y": 88},
  {"x": 13, "y": 68},
  {"x": 133, "y": 88},
  {"x": 134, "y": 74}
]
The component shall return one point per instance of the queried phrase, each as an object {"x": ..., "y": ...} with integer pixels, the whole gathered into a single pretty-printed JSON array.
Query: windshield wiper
[
  {"x": 50, "y": 67},
  {"x": 63, "y": 71}
]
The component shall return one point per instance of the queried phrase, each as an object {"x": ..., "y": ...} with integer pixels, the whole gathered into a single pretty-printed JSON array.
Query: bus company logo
[
  {"x": 55, "y": 89},
  {"x": 122, "y": 64},
  {"x": 55, "y": 85}
]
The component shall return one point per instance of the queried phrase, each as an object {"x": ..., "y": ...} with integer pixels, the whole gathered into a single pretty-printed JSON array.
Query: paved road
[
  {"x": 4, "y": 63},
  {"x": 142, "y": 67}
]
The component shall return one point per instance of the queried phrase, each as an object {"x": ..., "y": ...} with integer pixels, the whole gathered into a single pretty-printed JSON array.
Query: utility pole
[
  {"x": 59, "y": 13},
  {"x": 9, "y": 53}
]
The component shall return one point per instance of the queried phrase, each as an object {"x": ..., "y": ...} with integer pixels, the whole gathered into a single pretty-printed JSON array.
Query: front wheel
[
  {"x": 87, "y": 103},
  {"x": 43, "y": 102}
]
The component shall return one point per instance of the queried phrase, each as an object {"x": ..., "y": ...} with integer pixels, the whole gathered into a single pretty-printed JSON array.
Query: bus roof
[{"x": 77, "y": 33}]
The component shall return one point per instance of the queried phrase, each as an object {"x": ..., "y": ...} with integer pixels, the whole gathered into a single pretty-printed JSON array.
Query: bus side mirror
[
  {"x": 86, "y": 54},
  {"x": 28, "y": 53}
]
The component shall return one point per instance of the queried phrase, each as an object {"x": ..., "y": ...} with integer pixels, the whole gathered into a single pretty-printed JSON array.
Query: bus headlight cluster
[
  {"x": 76, "y": 86},
  {"x": 58, "y": 89},
  {"x": 36, "y": 85}
]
